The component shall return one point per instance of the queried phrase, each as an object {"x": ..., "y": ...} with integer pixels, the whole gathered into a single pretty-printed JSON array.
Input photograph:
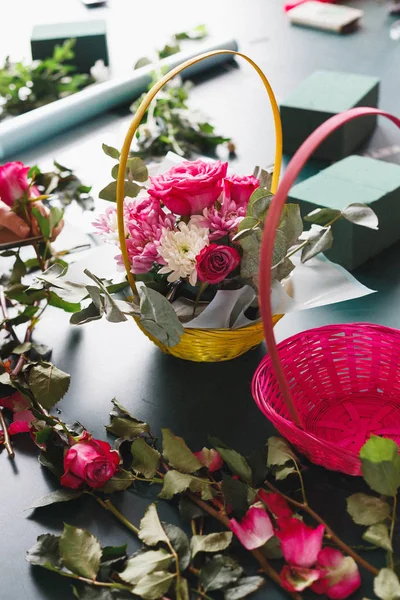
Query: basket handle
[
  {"x": 144, "y": 105},
  {"x": 297, "y": 162}
]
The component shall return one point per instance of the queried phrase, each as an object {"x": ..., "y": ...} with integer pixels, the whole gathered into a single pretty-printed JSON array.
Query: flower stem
[
  {"x": 392, "y": 525},
  {"x": 201, "y": 594},
  {"x": 363, "y": 563},
  {"x": 108, "y": 505},
  {"x": 118, "y": 586},
  {"x": 7, "y": 441},
  {"x": 263, "y": 562}
]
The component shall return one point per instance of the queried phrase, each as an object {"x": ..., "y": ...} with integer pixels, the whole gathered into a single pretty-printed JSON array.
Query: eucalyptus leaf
[
  {"x": 159, "y": 318},
  {"x": 322, "y": 216},
  {"x": 318, "y": 241},
  {"x": 378, "y": 535},
  {"x": 90, "y": 313},
  {"x": 361, "y": 214},
  {"x": 80, "y": 551},
  {"x": 213, "y": 542},
  {"x": 367, "y": 510},
  {"x": 109, "y": 192},
  {"x": 291, "y": 224},
  {"x": 110, "y": 151},
  {"x": 145, "y": 459}
]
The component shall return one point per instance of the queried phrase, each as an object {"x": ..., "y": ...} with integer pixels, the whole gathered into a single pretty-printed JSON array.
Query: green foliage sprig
[{"x": 24, "y": 87}]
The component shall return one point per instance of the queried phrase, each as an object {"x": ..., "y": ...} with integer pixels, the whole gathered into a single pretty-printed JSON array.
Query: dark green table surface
[{"x": 105, "y": 360}]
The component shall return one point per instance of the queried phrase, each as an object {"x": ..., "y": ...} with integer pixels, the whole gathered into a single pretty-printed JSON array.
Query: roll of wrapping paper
[{"x": 45, "y": 122}]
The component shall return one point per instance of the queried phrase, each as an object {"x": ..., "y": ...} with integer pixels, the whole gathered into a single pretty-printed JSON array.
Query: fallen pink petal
[
  {"x": 255, "y": 529},
  {"x": 339, "y": 575},
  {"x": 276, "y": 504},
  {"x": 300, "y": 544},
  {"x": 210, "y": 459},
  {"x": 21, "y": 422},
  {"x": 297, "y": 579}
]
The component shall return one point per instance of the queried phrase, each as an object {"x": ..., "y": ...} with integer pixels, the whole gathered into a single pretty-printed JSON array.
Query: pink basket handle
[{"x": 297, "y": 162}]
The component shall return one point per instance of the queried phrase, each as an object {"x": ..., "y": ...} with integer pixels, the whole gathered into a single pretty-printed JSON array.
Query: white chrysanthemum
[{"x": 179, "y": 250}]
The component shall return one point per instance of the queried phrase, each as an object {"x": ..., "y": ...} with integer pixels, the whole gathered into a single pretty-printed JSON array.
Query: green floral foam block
[
  {"x": 319, "y": 97},
  {"x": 355, "y": 179}
]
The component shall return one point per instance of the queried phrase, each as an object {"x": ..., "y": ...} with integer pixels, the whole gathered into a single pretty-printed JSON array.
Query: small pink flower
[
  {"x": 239, "y": 188},
  {"x": 300, "y": 544},
  {"x": 210, "y": 459},
  {"x": 189, "y": 187},
  {"x": 106, "y": 224},
  {"x": 255, "y": 529},
  {"x": 339, "y": 575},
  {"x": 14, "y": 183},
  {"x": 297, "y": 579},
  {"x": 221, "y": 221},
  {"x": 276, "y": 504}
]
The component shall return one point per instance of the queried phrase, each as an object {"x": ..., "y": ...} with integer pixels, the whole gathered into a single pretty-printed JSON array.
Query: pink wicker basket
[{"x": 327, "y": 390}]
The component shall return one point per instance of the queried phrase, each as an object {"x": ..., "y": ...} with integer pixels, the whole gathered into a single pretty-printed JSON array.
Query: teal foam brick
[
  {"x": 355, "y": 179},
  {"x": 319, "y": 97}
]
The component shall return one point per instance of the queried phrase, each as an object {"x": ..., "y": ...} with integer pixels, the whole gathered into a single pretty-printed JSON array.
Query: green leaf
[
  {"x": 70, "y": 307},
  {"x": 197, "y": 33},
  {"x": 189, "y": 510},
  {"x": 61, "y": 495},
  {"x": 176, "y": 483},
  {"x": 318, "y": 241},
  {"x": 22, "y": 348},
  {"x": 151, "y": 531},
  {"x": 48, "y": 383},
  {"x": 119, "y": 482},
  {"x": 378, "y": 535},
  {"x": 144, "y": 563},
  {"x": 80, "y": 551},
  {"x": 235, "y": 461},
  {"x": 219, "y": 572},
  {"x": 279, "y": 452},
  {"x": 236, "y": 494},
  {"x": 145, "y": 459},
  {"x": 380, "y": 465},
  {"x": 23, "y": 317},
  {"x": 55, "y": 216},
  {"x": 361, "y": 214},
  {"x": 154, "y": 586},
  {"x": 180, "y": 543},
  {"x": 101, "y": 297},
  {"x": 182, "y": 589},
  {"x": 178, "y": 454},
  {"x": 33, "y": 172},
  {"x": 272, "y": 548},
  {"x": 142, "y": 62},
  {"x": 213, "y": 542},
  {"x": 282, "y": 472},
  {"x": 109, "y": 192},
  {"x": 90, "y": 313},
  {"x": 45, "y": 551},
  {"x": 110, "y": 151},
  {"x": 159, "y": 318},
  {"x": 367, "y": 510},
  {"x": 18, "y": 271},
  {"x": 387, "y": 585},
  {"x": 42, "y": 221},
  {"x": 90, "y": 592},
  {"x": 322, "y": 216},
  {"x": 123, "y": 424},
  {"x": 244, "y": 587}
]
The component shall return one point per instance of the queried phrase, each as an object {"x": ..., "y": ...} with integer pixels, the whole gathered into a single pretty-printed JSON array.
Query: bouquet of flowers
[{"x": 193, "y": 236}]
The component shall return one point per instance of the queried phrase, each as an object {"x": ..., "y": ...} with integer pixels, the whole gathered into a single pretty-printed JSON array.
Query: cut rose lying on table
[{"x": 195, "y": 231}]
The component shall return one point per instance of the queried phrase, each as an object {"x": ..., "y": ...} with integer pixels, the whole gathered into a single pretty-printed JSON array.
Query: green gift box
[
  {"x": 355, "y": 179},
  {"x": 319, "y": 97},
  {"x": 90, "y": 45}
]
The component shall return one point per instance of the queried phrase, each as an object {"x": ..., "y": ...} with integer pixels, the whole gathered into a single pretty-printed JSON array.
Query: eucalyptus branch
[{"x": 330, "y": 534}]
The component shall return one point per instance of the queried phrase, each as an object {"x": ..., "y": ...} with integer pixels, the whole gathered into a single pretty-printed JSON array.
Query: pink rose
[
  {"x": 239, "y": 188},
  {"x": 190, "y": 187},
  {"x": 215, "y": 262},
  {"x": 210, "y": 459},
  {"x": 14, "y": 182},
  {"x": 90, "y": 462}
]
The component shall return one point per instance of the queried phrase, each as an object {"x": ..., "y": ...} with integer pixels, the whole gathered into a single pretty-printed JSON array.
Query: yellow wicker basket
[{"x": 199, "y": 345}]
